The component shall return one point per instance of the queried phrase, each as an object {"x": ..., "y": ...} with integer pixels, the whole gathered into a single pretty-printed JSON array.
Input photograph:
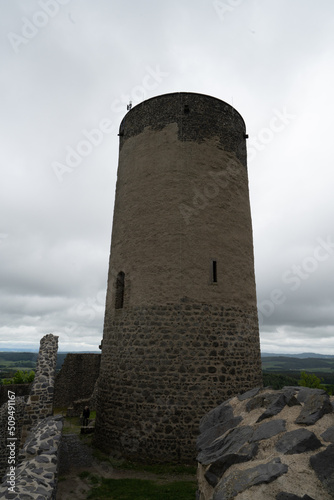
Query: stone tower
[{"x": 181, "y": 329}]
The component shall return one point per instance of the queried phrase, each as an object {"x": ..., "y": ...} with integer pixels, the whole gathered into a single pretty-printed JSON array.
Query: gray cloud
[{"x": 81, "y": 68}]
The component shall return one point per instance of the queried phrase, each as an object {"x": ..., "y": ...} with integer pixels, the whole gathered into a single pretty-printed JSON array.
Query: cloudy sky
[{"x": 68, "y": 70}]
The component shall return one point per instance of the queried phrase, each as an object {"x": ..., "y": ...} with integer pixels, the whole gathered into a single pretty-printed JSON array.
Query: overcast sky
[{"x": 69, "y": 67}]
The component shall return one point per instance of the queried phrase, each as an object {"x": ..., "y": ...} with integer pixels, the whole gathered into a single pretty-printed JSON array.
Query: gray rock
[
  {"x": 323, "y": 465},
  {"x": 305, "y": 392},
  {"x": 274, "y": 408},
  {"x": 328, "y": 435},
  {"x": 216, "y": 416},
  {"x": 268, "y": 430},
  {"x": 219, "y": 467},
  {"x": 263, "y": 400},
  {"x": 316, "y": 406},
  {"x": 290, "y": 397},
  {"x": 234, "y": 483},
  {"x": 42, "y": 459},
  {"x": 249, "y": 394},
  {"x": 229, "y": 445},
  {"x": 207, "y": 437},
  {"x": 298, "y": 441}
]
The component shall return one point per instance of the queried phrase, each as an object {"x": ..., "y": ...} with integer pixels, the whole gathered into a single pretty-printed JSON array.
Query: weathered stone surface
[
  {"x": 40, "y": 400},
  {"x": 73, "y": 453},
  {"x": 290, "y": 397},
  {"x": 291, "y": 496},
  {"x": 79, "y": 366},
  {"x": 206, "y": 438},
  {"x": 249, "y": 394},
  {"x": 298, "y": 441},
  {"x": 263, "y": 400},
  {"x": 229, "y": 445},
  {"x": 233, "y": 484},
  {"x": 268, "y": 430},
  {"x": 275, "y": 437},
  {"x": 315, "y": 406},
  {"x": 216, "y": 416},
  {"x": 323, "y": 464},
  {"x": 274, "y": 408},
  {"x": 305, "y": 392},
  {"x": 328, "y": 435},
  {"x": 220, "y": 466}
]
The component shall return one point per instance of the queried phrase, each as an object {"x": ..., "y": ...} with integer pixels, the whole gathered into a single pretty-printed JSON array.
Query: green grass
[
  {"x": 142, "y": 489},
  {"x": 72, "y": 425},
  {"x": 171, "y": 469}
]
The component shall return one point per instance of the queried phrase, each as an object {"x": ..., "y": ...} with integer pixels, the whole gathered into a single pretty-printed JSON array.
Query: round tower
[{"x": 181, "y": 328}]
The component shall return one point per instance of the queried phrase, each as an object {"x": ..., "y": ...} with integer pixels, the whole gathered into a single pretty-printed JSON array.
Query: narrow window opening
[
  {"x": 214, "y": 271},
  {"x": 186, "y": 108},
  {"x": 119, "y": 299}
]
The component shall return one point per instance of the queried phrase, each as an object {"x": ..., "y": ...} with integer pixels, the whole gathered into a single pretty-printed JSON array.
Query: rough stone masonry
[
  {"x": 181, "y": 328},
  {"x": 40, "y": 400}
]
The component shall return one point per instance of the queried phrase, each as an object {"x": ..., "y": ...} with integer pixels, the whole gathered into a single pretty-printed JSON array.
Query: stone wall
[
  {"x": 74, "y": 454},
  {"x": 35, "y": 477},
  {"x": 76, "y": 379},
  {"x": 268, "y": 445},
  {"x": 167, "y": 366},
  {"x": 40, "y": 400}
]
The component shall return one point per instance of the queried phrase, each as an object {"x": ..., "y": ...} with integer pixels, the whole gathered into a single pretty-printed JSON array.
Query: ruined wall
[
  {"x": 40, "y": 400},
  {"x": 76, "y": 379},
  {"x": 181, "y": 329},
  {"x": 25, "y": 470}
]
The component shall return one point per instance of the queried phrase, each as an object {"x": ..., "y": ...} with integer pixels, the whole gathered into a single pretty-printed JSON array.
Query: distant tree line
[
  {"x": 20, "y": 377},
  {"x": 278, "y": 381}
]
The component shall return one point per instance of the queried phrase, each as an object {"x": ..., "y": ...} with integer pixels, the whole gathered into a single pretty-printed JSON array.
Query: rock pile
[{"x": 268, "y": 445}]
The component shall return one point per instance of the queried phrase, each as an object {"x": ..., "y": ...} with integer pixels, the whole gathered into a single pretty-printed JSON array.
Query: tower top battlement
[{"x": 198, "y": 117}]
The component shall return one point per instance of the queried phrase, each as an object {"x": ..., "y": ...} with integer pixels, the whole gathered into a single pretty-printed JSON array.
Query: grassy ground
[{"x": 142, "y": 489}]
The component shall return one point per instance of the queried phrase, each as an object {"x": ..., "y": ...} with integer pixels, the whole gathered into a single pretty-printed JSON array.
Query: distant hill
[
  {"x": 300, "y": 356},
  {"x": 322, "y": 367},
  {"x": 14, "y": 360}
]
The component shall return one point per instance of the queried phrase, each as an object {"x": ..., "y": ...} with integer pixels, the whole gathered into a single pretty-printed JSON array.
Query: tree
[
  {"x": 20, "y": 377},
  {"x": 310, "y": 380}
]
